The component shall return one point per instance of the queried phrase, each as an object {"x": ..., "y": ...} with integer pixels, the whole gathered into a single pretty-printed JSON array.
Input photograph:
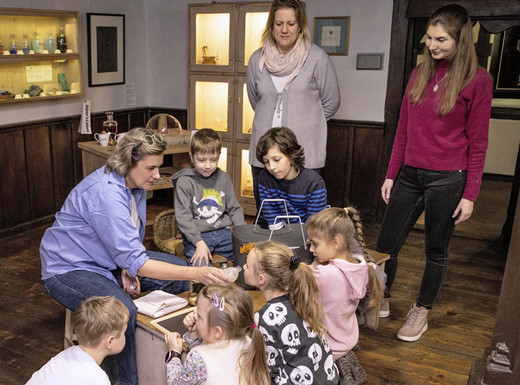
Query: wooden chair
[
  {"x": 70, "y": 337},
  {"x": 372, "y": 314}
]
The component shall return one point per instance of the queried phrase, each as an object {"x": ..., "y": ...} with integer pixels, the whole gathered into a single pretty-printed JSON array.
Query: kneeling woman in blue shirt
[{"x": 94, "y": 247}]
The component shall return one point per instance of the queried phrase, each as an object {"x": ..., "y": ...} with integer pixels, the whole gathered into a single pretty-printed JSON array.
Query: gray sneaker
[
  {"x": 384, "y": 310},
  {"x": 416, "y": 324}
]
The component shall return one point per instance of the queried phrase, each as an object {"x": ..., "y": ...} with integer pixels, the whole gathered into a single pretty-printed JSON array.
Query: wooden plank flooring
[{"x": 460, "y": 326}]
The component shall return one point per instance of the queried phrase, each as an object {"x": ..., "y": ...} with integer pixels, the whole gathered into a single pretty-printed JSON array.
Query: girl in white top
[{"x": 225, "y": 344}]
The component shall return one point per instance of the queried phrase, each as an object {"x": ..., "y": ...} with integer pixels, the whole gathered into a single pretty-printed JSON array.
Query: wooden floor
[{"x": 460, "y": 326}]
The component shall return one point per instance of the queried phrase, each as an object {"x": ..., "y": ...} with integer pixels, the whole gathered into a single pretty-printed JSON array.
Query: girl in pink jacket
[{"x": 343, "y": 277}]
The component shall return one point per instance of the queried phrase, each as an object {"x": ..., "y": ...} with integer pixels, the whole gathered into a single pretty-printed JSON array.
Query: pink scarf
[{"x": 282, "y": 65}]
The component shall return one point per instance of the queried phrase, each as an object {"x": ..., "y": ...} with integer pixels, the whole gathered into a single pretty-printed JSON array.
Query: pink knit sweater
[{"x": 457, "y": 141}]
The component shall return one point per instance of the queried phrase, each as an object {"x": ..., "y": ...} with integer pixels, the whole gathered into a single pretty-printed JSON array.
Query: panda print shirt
[{"x": 295, "y": 353}]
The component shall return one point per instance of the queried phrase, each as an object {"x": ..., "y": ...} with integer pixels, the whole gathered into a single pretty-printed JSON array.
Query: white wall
[
  {"x": 157, "y": 55},
  {"x": 362, "y": 92},
  {"x": 103, "y": 98}
]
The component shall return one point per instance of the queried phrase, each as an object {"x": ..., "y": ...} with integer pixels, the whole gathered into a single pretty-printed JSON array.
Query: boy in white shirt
[{"x": 99, "y": 324}]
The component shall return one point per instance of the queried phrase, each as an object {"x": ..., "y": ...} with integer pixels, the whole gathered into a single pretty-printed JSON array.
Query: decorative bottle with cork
[{"x": 110, "y": 125}]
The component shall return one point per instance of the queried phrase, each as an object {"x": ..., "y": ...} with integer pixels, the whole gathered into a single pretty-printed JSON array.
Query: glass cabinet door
[
  {"x": 243, "y": 179},
  {"x": 211, "y": 103},
  {"x": 225, "y": 162},
  {"x": 252, "y": 19},
  {"x": 244, "y": 111},
  {"x": 212, "y": 38}
]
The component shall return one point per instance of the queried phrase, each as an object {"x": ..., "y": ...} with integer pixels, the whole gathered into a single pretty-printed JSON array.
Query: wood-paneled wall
[
  {"x": 41, "y": 163},
  {"x": 353, "y": 169}
]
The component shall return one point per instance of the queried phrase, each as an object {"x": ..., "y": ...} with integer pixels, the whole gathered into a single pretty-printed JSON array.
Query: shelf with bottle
[{"x": 40, "y": 55}]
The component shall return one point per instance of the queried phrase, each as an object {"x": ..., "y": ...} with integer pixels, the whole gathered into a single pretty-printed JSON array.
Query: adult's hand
[
  {"x": 463, "y": 211},
  {"x": 131, "y": 285},
  {"x": 386, "y": 189},
  {"x": 202, "y": 253},
  {"x": 208, "y": 274}
]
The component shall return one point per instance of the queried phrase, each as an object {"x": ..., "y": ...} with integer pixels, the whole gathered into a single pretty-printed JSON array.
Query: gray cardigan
[{"x": 309, "y": 100}]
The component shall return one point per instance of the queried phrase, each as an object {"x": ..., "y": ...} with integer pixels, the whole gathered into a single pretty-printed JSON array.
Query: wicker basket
[{"x": 166, "y": 235}]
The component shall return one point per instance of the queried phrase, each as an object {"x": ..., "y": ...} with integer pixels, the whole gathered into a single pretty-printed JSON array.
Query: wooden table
[
  {"x": 93, "y": 156},
  {"x": 151, "y": 348}
]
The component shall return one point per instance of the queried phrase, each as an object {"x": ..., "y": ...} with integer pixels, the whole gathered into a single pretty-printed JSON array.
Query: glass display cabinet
[
  {"x": 40, "y": 55},
  {"x": 222, "y": 38}
]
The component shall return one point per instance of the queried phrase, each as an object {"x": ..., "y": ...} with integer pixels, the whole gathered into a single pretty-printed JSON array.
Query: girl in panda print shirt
[{"x": 297, "y": 350}]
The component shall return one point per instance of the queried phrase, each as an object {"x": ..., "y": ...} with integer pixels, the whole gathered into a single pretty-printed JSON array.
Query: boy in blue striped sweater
[{"x": 285, "y": 177}]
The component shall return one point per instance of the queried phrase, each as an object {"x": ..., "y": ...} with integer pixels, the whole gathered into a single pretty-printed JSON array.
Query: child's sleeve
[
  {"x": 193, "y": 372},
  {"x": 183, "y": 214},
  {"x": 274, "y": 348}
]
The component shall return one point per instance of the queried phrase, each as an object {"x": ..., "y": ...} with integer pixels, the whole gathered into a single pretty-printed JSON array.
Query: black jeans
[{"x": 437, "y": 193}]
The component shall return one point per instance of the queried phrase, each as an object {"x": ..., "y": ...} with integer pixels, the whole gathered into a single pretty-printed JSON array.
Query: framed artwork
[
  {"x": 332, "y": 34},
  {"x": 106, "y": 49},
  {"x": 505, "y": 63}
]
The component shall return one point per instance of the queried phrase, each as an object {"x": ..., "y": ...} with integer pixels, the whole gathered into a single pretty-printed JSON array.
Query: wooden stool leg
[{"x": 69, "y": 337}]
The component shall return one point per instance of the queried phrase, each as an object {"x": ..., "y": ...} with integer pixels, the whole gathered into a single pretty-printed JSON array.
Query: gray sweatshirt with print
[{"x": 205, "y": 204}]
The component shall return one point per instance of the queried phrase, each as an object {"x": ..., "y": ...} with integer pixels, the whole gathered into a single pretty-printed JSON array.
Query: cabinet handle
[{"x": 239, "y": 100}]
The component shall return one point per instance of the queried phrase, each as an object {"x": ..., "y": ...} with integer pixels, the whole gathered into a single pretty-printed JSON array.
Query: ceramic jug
[{"x": 103, "y": 138}]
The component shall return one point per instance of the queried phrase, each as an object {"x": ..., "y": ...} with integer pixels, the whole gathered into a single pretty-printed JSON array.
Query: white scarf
[{"x": 289, "y": 64}]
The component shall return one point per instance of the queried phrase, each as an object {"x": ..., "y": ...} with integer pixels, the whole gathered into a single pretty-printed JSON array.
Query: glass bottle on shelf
[
  {"x": 13, "y": 50},
  {"x": 50, "y": 43},
  {"x": 37, "y": 44},
  {"x": 110, "y": 126},
  {"x": 62, "y": 41},
  {"x": 26, "y": 47}
]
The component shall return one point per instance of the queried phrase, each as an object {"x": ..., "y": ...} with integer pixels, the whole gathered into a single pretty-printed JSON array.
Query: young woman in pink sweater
[{"x": 438, "y": 155}]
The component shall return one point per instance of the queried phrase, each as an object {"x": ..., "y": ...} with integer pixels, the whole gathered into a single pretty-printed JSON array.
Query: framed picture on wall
[
  {"x": 332, "y": 34},
  {"x": 106, "y": 49},
  {"x": 505, "y": 63}
]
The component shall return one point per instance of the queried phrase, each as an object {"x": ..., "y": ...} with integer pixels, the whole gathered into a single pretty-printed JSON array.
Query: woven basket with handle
[{"x": 166, "y": 235}]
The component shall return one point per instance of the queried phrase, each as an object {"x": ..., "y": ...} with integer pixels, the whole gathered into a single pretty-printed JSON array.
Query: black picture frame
[
  {"x": 106, "y": 49},
  {"x": 505, "y": 64}
]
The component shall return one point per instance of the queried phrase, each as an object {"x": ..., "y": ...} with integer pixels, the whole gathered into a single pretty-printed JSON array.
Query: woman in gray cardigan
[{"x": 291, "y": 83}]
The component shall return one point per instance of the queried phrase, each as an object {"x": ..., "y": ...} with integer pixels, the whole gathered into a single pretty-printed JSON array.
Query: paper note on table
[{"x": 41, "y": 73}]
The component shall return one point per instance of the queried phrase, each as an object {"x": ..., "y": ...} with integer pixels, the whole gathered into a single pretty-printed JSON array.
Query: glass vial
[
  {"x": 110, "y": 126},
  {"x": 12, "y": 47},
  {"x": 26, "y": 47},
  {"x": 50, "y": 43},
  {"x": 62, "y": 41},
  {"x": 37, "y": 45}
]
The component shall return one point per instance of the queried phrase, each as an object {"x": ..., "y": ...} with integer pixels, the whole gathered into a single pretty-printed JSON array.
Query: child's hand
[
  {"x": 174, "y": 341},
  {"x": 202, "y": 253},
  {"x": 190, "y": 322}
]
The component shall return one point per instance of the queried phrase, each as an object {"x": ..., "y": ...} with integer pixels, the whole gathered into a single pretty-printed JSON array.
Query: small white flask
[{"x": 232, "y": 272}]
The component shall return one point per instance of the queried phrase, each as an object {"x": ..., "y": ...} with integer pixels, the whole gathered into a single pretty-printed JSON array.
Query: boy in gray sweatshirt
[{"x": 205, "y": 202}]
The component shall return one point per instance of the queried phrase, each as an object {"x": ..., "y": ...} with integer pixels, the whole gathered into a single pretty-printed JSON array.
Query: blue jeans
[
  {"x": 437, "y": 193},
  {"x": 218, "y": 241},
  {"x": 71, "y": 288}
]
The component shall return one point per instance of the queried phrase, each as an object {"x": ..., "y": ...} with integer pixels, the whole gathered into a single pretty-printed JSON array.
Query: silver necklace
[{"x": 437, "y": 82}]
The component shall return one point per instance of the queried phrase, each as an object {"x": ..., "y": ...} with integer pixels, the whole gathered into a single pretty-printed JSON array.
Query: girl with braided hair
[
  {"x": 343, "y": 277},
  {"x": 291, "y": 320}
]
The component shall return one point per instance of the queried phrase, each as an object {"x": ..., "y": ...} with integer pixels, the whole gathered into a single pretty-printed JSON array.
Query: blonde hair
[
  {"x": 132, "y": 148},
  {"x": 275, "y": 260},
  {"x": 301, "y": 18},
  {"x": 97, "y": 317},
  {"x": 237, "y": 321},
  {"x": 462, "y": 65},
  {"x": 206, "y": 140},
  {"x": 346, "y": 223}
]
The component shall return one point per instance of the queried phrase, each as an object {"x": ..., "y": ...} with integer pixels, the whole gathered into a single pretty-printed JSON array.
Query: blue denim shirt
[{"x": 93, "y": 231}]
